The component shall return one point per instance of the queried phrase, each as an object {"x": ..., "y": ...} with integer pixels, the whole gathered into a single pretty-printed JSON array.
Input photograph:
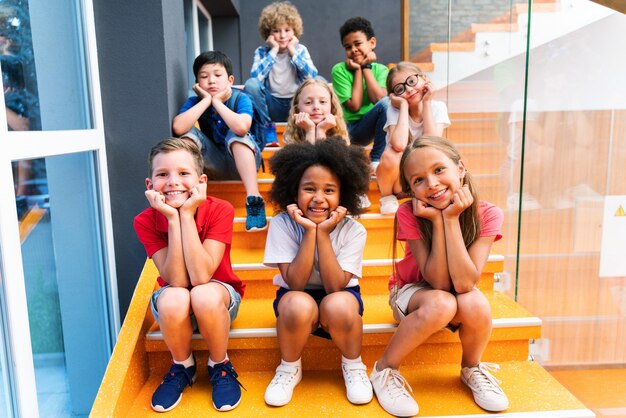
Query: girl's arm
[
  {"x": 239, "y": 123},
  {"x": 428, "y": 120},
  {"x": 433, "y": 262},
  {"x": 303, "y": 121},
  {"x": 297, "y": 273},
  {"x": 333, "y": 277},
  {"x": 399, "y": 133},
  {"x": 464, "y": 266},
  {"x": 201, "y": 258},
  {"x": 183, "y": 122}
]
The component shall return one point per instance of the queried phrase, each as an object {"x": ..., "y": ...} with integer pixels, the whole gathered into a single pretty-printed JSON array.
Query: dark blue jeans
[
  {"x": 370, "y": 127},
  {"x": 270, "y": 108}
]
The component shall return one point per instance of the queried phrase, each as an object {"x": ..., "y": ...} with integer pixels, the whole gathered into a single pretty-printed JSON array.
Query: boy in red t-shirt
[{"x": 188, "y": 236}]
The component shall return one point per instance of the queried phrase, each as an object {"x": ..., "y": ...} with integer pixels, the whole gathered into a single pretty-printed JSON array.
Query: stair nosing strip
[{"x": 367, "y": 329}]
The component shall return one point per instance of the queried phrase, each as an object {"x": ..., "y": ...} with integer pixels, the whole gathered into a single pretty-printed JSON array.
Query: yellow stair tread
[{"x": 437, "y": 389}]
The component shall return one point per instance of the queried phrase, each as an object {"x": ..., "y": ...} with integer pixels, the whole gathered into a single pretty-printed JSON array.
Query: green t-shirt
[{"x": 342, "y": 85}]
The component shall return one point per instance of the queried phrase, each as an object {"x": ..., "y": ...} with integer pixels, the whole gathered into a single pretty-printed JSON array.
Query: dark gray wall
[
  {"x": 141, "y": 60},
  {"x": 143, "y": 77}
]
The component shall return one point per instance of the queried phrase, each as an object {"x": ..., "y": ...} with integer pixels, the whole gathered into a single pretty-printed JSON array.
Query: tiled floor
[{"x": 601, "y": 390}]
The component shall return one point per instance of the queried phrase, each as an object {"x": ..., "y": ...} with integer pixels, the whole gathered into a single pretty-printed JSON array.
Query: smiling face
[
  {"x": 318, "y": 193},
  {"x": 357, "y": 46},
  {"x": 214, "y": 78},
  {"x": 433, "y": 176},
  {"x": 314, "y": 100},
  {"x": 282, "y": 33},
  {"x": 413, "y": 93},
  {"x": 174, "y": 175}
]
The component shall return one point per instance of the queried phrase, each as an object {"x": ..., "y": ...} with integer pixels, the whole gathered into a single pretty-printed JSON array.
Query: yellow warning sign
[{"x": 620, "y": 211}]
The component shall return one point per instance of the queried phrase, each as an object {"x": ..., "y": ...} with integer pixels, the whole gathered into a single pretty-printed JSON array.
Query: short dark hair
[
  {"x": 356, "y": 24},
  {"x": 348, "y": 162},
  {"x": 175, "y": 144},
  {"x": 212, "y": 57}
]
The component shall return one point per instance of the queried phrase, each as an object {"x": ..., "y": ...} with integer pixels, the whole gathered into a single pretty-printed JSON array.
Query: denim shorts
[
  {"x": 218, "y": 158},
  {"x": 318, "y": 295},
  {"x": 233, "y": 307}
]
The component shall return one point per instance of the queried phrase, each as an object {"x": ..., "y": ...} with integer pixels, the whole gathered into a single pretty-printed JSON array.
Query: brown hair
[{"x": 175, "y": 144}]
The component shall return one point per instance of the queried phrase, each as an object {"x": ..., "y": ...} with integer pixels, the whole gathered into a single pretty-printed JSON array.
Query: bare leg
[
  {"x": 210, "y": 305},
  {"x": 429, "y": 311},
  {"x": 339, "y": 315},
  {"x": 173, "y": 305},
  {"x": 298, "y": 316},
  {"x": 388, "y": 172},
  {"x": 246, "y": 166},
  {"x": 474, "y": 315}
]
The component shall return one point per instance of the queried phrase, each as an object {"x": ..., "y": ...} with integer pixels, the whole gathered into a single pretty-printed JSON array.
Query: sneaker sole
[
  {"x": 225, "y": 408},
  {"x": 255, "y": 229},
  {"x": 159, "y": 408}
]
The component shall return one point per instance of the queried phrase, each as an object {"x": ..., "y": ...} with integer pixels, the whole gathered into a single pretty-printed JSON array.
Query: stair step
[
  {"x": 253, "y": 344},
  {"x": 452, "y": 46},
  {"x": 494, "y": 27},
  {"x": 437, "y": 389}
]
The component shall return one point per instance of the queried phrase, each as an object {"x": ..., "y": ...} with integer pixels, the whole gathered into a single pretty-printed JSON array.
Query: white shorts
[{"x": 399, "y": 301}]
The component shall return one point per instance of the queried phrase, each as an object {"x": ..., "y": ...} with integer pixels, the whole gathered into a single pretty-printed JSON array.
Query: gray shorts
[
  {"x": 399, "y": 301},
  {"x": 233, "y": 307},
  {"x": 218, "y": 158}
]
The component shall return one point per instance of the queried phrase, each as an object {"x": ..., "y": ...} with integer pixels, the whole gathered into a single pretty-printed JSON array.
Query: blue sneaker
[
  {"x": 255, "y": 214},
  {"x": 226, "y": 387},
  {"x": 271, "y": 139},
  {"x": 170, "y": 391}
]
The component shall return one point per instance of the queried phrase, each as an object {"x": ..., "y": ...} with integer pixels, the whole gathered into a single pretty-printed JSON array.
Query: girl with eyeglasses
[{"x": 412, "y": 114}]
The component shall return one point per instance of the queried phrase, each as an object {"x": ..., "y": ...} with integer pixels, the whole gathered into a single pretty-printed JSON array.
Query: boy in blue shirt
[{"x": 230, "y": 151}]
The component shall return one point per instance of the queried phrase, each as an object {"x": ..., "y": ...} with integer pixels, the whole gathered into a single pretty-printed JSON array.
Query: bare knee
[
  {"x": 474, "y": 307},
  {"x": 209, "y": 299},
  {"x": 340, "y": 311},
  {"x": 439, "y": 308},
  {"x": 297, "y": 310},
  {"x": 173, "y": 304}
]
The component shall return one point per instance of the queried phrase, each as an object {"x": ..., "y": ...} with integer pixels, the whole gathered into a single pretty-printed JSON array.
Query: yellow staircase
[{"x": 140, "y": 357}]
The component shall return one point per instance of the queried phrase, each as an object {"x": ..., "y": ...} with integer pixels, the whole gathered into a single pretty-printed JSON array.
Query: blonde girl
[
  {"x": 411, "y": 114},
  {"x": 448, "y": 234},
  {"x": 315, "y": 114}
]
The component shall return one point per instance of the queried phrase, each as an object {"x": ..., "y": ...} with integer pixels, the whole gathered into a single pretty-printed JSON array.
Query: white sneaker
[
  {"x": 389, "y": 386},
  {"x": 365, "y": 202},
  {"x": 373, "y": 167},
  {"x": 280, "y": 389},
  {"x": 358, "y": 386},
  {"x": 486, "y": 388},
  {"x": 388, "y": 205}
]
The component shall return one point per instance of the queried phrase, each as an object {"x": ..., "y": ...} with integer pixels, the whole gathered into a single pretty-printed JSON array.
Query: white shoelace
[
  {"x": 284, "y": 375},
  {"x": 394, "y": 383},
  {"x": 355, "y": 373},
  {"x": 483, "y": 380}
]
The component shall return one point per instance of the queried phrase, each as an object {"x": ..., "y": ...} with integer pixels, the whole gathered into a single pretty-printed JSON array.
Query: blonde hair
[
  {"x": 296, "y": 134},
  {"x": 278, "y": 13},
  {"x": 401, "y": 66}
]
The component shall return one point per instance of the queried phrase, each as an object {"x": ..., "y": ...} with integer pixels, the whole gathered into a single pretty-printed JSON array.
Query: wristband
[{"x": 366, "y": 66}]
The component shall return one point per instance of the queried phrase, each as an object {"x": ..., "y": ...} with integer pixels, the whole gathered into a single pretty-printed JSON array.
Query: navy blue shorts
[{"x": 318, "y": 295}]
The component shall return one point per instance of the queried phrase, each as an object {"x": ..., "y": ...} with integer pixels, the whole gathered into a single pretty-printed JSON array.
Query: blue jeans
[
  {"x": 369, "y": 127},
  {"x": 270, "y": 108},
  {"x": 218, "y": 158}
]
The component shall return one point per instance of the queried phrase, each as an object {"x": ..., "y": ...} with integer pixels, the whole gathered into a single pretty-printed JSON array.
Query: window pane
[
  {"x": 63, "y": 270},
  {"x": 37, "y": 35}
]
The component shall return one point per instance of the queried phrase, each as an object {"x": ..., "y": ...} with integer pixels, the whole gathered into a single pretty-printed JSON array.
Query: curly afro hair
[{"x": 348, "y": 162}]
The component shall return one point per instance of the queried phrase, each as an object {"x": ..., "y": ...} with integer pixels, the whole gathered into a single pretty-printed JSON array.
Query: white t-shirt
[
  {"x": 283, "y": 242},
  {"x": 440, "y": 116},
  {"x": 283, "y": 77}
]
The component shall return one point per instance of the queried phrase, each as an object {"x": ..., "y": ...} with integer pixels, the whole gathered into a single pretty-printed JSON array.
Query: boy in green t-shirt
[{"x": 359, "y": 82}]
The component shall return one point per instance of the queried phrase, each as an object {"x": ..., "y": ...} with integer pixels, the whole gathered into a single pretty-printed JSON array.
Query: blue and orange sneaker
[
  {"x": 170, "y": 391},
  {"x": 255, "y": 214},
  {"x": 226, "y": 388},
  {"x": 271, "y": 139}
]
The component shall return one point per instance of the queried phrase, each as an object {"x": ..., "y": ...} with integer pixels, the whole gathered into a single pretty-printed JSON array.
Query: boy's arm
[
  {"x": 184, "y": 121},
  {"x": 263, "y": 62},
  {"x": 355, "y": 102},
  {"x": 375, "y": 91},
  {"x": 303, "y": 62},
  {"x": 239, "y": 123},
  {"x": 169, "y": 260}
]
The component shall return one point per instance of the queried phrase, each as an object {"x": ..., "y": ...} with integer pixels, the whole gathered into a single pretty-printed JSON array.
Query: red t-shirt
[
  {"x": 407, "y": 271},
  {"x": 214, "y": 220}
]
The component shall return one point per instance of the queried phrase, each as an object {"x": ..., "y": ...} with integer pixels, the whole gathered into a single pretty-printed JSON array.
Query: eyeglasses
[{"x": 411, "y": 81}]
